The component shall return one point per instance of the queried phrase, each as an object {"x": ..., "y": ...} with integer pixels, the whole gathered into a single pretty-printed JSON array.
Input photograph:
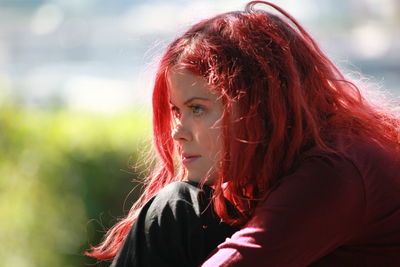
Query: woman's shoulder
[
  {"x": 363, "y": 162},
  {"x": 371, "y": 156},
  {"x": 359, "y": 151}
]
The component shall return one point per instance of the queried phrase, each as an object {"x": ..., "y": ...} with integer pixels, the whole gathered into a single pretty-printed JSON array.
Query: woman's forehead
[
  {"x": 181, "y": 76},
  {"x": 183, "y": 82}
]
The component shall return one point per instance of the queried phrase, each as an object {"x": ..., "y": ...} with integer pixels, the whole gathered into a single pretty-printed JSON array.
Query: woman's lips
[{"x": 186, "y": 159}]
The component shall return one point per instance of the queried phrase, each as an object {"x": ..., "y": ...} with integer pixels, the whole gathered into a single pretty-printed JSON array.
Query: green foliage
[{"x": 64, "y": 178}]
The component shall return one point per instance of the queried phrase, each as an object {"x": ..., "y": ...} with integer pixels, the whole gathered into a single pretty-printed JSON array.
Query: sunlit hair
[{"x": 281, "y": 96}]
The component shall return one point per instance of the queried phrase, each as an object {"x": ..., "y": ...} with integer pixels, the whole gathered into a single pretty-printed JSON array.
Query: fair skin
[{"x": 197, "y": 111}]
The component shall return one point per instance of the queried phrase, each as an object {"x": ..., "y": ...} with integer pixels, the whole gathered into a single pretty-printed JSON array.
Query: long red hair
[{"x": 281, "y": 95}]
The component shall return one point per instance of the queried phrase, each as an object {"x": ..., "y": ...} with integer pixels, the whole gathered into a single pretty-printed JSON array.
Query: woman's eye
[{"x": 197, "y": 110}]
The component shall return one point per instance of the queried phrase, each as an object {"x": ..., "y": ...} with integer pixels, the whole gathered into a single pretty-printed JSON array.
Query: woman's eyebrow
[{"x": 195, "y": 98}]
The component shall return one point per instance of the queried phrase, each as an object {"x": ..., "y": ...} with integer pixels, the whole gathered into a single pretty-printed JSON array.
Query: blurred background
[{"x": 75, "y": 92}]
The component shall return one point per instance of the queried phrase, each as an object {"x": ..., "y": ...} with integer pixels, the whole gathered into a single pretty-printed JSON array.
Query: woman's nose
[{"x": 181, "y": 133}]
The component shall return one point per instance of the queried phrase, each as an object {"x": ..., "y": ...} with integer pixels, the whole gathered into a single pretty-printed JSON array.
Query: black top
[{"x": 176, "y": 227}]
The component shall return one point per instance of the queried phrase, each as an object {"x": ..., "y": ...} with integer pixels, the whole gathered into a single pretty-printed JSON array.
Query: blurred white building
[{"x": 100, "y": 55}]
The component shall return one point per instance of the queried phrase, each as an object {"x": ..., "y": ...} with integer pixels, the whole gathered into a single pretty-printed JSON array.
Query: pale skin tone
[{"x": 197, "y": 112}]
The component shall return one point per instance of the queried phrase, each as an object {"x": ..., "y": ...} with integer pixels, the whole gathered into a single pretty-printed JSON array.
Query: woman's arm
[{"x": 311, "y": 212}]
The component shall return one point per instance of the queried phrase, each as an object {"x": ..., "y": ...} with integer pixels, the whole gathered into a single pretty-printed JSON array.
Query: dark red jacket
[{"x": 334, "y": 210}]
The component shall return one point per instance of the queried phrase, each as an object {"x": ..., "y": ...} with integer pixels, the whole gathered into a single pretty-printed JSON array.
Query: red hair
[{"x": 281, "y": 95}]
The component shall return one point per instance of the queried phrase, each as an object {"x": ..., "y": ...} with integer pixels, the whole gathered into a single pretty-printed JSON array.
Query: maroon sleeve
[{"x": 311, "y": 212}]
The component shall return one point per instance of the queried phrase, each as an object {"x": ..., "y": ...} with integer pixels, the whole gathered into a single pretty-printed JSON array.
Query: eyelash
[
  {"x": 177, "y": 114},
  {"x": 194, "y": 107}
]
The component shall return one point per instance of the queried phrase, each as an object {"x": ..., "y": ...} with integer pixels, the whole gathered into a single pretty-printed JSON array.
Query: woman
[{"x": 269, "y": 137}]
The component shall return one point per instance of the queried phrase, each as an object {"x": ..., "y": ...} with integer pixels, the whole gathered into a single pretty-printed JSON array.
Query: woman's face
[{"x": 197, "y": 112}]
